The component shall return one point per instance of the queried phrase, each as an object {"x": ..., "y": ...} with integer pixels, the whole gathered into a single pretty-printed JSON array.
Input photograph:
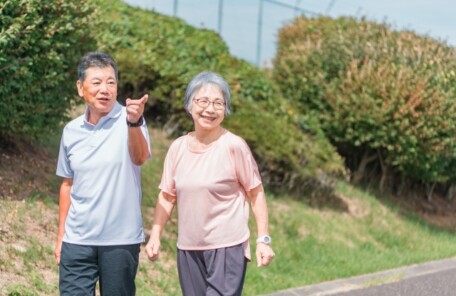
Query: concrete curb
[{"x": 368, "y": 280}]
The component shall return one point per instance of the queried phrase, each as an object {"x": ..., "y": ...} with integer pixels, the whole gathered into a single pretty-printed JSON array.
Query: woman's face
[
  {"x": 99, "y": 90},
  {"x": 208, "y": 107}
]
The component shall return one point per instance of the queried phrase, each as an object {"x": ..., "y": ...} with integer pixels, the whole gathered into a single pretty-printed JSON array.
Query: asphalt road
[
  {"x": 440, "y": 283},
  {"x": 435, "y": 278}
]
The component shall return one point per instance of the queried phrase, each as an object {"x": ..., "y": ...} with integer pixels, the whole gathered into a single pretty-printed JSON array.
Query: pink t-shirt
[{"x": 211, "y": 185}]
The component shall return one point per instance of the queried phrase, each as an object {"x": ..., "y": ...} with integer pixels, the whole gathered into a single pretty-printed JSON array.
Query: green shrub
[
  {"x": 40, "y": 43},
  {"x": 159, "y": 55},
  {"x": 385, "y": 98}
]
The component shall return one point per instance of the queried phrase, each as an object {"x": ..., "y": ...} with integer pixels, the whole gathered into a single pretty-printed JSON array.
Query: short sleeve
[
  {"x": 63, "y": 164},
  {"x": 167, "y": 183},
  {"x": 245, "y": 165}
]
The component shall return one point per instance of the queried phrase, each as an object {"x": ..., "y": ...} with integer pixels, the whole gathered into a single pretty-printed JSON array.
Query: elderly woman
[{"x": 212, "y": 176}]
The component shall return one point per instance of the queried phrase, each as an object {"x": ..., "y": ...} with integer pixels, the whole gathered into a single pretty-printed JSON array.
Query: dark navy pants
[
  {"x": 212, "y": 272},
  {"x": 114, "y": 266}
]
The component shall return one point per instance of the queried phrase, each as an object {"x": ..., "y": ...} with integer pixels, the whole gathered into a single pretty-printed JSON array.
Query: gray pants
[
  {"x": 81, "y": 267},
  {"x": 212, "y": 272}
]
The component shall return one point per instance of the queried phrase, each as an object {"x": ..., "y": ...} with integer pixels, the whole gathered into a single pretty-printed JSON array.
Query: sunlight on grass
[
  {"x": 152, "y": 170},
  {"x": 315, "y": 245},
  {"x": 363, "y": 234}
]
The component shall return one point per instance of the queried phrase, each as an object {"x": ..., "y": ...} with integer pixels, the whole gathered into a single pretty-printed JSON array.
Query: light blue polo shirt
[{"x": 106, "y": 193}]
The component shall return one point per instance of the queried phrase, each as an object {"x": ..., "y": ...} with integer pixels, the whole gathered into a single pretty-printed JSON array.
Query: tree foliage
[
  {"x": 386, "y": 98},
  {"x": 40, "y": 43},
  {"x": 159, "y": 55}
]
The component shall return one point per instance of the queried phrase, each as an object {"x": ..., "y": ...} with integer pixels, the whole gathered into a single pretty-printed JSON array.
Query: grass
[
  {"x": 314, "y": 245},
  {"x": 364, "y": 234}
]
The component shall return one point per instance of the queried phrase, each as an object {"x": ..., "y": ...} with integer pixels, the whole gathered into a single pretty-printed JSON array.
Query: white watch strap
[{"x": 265, "y": 239}]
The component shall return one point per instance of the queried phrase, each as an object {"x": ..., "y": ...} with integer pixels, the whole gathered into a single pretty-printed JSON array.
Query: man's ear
[{"x": 79, "y": 87}]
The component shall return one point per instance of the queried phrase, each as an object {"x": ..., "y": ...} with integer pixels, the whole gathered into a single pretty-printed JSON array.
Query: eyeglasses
[{"x": 204, "y": 103}]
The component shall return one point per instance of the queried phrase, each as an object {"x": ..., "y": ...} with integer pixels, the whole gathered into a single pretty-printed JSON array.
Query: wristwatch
[
  {"x": 265, "y": 239},
  {"x": 136, "y": 124}
]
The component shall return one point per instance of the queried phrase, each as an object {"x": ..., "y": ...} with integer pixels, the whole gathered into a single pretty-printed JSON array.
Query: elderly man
[{"x": 101, "y": 151}]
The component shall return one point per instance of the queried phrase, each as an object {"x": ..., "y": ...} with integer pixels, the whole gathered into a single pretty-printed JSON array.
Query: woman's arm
[
  {"x": 163, "y": 210},
  {"x": 264, "y": 252}
]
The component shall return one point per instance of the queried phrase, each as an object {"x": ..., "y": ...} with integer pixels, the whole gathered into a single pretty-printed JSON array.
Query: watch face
[{"x": 266, "y": 239}]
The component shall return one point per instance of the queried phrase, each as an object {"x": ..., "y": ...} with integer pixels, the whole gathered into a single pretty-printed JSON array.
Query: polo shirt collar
[{"x": 115, "y": 112}]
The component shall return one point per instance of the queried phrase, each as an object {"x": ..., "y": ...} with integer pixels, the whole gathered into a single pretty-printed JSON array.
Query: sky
[{"x": 238, "y": 21}]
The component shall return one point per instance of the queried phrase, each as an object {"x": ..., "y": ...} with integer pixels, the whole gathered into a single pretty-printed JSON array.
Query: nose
[
  {"x": 103, "y": 87},
  {"x": 211, "y": 106}
]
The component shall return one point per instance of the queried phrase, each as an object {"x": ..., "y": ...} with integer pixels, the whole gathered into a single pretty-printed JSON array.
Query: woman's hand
[
  {"x": 153, "y": 249},
  {"x": 264, "y": 254}
]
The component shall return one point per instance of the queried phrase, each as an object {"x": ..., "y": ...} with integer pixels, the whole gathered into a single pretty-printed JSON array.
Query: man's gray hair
[{"x": 95, "y": 59}]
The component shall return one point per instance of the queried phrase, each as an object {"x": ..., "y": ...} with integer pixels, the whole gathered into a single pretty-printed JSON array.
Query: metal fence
[{"x": 249, "y": 27}]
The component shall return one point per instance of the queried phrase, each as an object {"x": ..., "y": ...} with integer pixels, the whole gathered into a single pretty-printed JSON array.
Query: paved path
[{"x": 435, "y": 278}]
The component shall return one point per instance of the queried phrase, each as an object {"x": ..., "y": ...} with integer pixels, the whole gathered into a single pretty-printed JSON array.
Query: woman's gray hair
[
  {"x": 95, "y": 59},
  {"x": 203, "y": 79}
]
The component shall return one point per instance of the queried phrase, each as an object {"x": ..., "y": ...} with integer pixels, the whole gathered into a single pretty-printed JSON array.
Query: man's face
[{"x": 99, "y": 90}]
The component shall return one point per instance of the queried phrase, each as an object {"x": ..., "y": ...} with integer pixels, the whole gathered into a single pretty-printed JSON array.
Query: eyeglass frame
[{"x": 222, "y": 107}]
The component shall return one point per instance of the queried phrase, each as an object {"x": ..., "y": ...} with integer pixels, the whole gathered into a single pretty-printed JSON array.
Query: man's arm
[
  {"x": 64, "y": 206},
  {"x": 137, "y": 144}
]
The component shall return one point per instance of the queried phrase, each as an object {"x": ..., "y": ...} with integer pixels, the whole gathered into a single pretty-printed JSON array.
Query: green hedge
[
  {"x": 40, "y": 43},
  {"x": 386, "y": 98},
  {"x": 159, "y": 55}
]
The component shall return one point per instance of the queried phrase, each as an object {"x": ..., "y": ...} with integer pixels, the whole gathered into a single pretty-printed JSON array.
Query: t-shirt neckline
[{"x": 215, "y": 143}]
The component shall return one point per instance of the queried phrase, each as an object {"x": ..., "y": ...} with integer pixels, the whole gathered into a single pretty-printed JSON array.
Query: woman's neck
[{"x": 204, "y": 138}]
